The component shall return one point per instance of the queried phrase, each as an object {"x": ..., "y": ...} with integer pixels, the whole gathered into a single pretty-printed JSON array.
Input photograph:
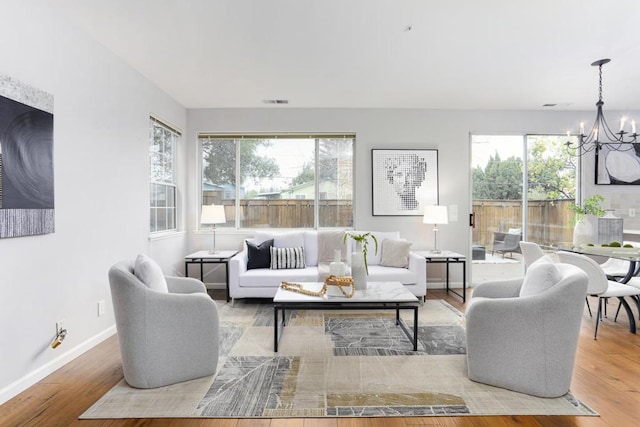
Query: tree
[
  {"x": 219, "y": 161},
  {"x": 551, "y": 170},
  {"x": 305, "y": 175},
  {"x": 500, "y": 179}
]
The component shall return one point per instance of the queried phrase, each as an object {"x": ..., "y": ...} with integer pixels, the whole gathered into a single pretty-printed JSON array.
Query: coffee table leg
[{"x": 397, "y": 316}]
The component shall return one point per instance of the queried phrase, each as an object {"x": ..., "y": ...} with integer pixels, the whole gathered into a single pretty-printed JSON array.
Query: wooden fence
[
  {"x": 549, "y": 221},
  {"x": 291, "y": 213}
]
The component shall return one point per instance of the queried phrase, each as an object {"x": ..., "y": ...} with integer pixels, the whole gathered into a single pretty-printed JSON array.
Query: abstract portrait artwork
[
  {"x": 404, "y": 181},
  {"x": 618, "y": 164},
  {"x": 26, "y": 160}
]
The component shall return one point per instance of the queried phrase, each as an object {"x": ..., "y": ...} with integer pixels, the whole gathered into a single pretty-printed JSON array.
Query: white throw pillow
[
  {"x": 395, "y": 253},
  {"x": 541, "y": 275},
  {"x": 149, "y": 272}
]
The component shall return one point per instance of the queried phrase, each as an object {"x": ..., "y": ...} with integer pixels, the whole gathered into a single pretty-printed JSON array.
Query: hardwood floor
[{"x": 606, "y": 377}]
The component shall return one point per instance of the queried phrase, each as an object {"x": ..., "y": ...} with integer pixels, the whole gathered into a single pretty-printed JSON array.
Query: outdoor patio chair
[{"x": 506, "y": 243}]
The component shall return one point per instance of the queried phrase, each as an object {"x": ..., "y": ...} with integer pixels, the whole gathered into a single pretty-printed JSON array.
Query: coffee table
[{"x": 377, "y": 296}]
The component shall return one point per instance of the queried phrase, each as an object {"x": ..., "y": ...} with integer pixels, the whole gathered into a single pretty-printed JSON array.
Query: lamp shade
[
  {"x": 435, "y": 215},
  {"x": 213, "y": 214}
]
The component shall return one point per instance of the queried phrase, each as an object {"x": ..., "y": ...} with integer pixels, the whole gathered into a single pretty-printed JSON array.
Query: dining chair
[
  {"x": 531, "y": 252},
  {"x": 601, "y": 287}
]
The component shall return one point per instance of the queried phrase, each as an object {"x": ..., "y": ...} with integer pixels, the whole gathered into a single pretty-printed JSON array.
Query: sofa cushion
[
  {"x": 541, "y": 275},
  {"x": 372, "y": 257},
  {"x": 282, "y": 258},
  {"x": 292, "y": 239},
  {"x": 265, "y": 277},
  {"x": 395, "y": 253},
  {"x": 259, "y": 255},
  {"x": 310, "y": 238},
  {"x": 150, "y": 274},
  {"x": 379, "y": 273}
]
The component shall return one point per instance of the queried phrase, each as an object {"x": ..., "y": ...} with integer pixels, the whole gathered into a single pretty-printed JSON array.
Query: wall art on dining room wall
[
  {"x": 26, "y": 160},
  {"x": 404, "y": 181},
  {"x": 618, "y": 164}
]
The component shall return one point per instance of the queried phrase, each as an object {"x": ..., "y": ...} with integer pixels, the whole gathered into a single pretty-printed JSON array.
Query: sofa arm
[
  {"x": 237, "y": 267},
  {"x": 418, "y": 265}
]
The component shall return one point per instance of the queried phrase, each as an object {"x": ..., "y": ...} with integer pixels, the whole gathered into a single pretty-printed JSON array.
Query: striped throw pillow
[{"x": 287, "y": 258}]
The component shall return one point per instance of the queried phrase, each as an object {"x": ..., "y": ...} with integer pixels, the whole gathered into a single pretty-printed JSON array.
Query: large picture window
[
  {"x": 279, "y": 181},
  {"x": 162, "y": 147}
]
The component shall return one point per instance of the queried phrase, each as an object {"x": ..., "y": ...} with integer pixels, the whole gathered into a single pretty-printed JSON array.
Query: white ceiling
[{"x": 458, "y": 54}]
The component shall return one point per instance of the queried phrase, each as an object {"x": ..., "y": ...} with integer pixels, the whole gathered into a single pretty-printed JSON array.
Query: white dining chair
[
  {"x": 601, "y": 287},
  {"x": 531, "y": 252}
]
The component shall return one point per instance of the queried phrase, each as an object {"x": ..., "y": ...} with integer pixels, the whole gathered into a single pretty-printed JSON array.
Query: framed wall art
[
  {"x": 618, "y": 164},
  {"x": 404, "y": 181},
  {"x": 26, "y": 160}
]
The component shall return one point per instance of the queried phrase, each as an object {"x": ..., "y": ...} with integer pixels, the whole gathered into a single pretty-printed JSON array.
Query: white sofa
[{"x": 263, "y": 282}]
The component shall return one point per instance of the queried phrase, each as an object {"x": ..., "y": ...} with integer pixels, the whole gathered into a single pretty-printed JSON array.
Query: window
[
  {"x": 279, "y": 181},
  {"x": 162, "y": 146}
]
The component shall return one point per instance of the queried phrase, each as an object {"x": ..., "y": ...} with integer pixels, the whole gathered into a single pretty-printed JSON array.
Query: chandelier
[{"x": 601, "y": 133}]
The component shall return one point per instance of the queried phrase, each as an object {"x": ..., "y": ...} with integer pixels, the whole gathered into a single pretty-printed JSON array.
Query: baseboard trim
[{"x": 34, "y": 377}]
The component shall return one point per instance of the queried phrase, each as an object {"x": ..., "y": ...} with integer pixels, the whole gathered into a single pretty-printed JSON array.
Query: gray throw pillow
[
  {"x": 395, "y": 253},
  {"x": 149, "y": 272}
]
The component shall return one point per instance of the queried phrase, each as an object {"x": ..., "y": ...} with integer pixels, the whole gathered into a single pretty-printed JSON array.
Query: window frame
[
  {"x": 201, "y": 136},
  {"x": 167, "y": 184}
]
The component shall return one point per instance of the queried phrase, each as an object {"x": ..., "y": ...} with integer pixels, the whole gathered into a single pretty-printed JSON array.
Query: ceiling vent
[{"x": 276, "y": 101}]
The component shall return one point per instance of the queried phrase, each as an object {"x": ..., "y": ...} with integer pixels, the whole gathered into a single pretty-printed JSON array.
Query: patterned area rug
[{"x": 333, "y": 364}]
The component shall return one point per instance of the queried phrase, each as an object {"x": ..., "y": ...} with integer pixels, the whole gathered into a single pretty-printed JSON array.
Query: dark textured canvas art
[{"x": 26, "y": 160}]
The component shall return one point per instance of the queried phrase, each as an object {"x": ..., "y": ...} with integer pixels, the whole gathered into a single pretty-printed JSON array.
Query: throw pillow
[
  {"x": 149, "y": 272},
  {"x": 259, "y": 256},
  {"x": 395, "y": 253},
  {"x": 541, "y": 275},
  {"x": 282, "y": 258}
]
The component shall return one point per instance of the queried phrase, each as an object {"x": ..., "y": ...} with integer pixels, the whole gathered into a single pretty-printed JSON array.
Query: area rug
[{"x": 333, "y": 364}]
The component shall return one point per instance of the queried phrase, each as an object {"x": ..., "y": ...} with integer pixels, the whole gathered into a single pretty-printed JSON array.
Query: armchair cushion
[
  {"x": 540, "y": 277},
  {"x": 150, "y": 273}
]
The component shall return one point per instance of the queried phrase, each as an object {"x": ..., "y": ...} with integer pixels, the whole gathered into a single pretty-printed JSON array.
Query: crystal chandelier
[{"x": 601, "y": 133}]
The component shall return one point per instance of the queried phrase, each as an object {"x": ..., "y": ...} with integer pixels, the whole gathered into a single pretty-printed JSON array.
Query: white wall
[
  {"x": 447, "y": 131},
  {"x": 101, "y": 116}
]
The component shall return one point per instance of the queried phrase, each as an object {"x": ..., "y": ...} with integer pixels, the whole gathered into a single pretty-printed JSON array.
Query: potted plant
[
  {"x": 592, "y": 206},
  {"x": 583, "y": 230},
  {"x": 362, "y": 242}
]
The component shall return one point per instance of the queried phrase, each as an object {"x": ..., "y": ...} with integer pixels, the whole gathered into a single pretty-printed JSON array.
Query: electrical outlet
[
  {"x": 632, "y": 212},
  {"x": 101, "y": 308}
]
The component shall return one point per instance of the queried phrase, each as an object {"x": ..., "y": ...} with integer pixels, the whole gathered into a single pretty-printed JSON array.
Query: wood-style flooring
[{"x": 606, "y": 377}]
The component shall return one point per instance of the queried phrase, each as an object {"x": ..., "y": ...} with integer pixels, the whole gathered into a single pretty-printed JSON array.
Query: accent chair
[
  {"x": 522, "y": 334},
  {"x": 168, "y": 332}
]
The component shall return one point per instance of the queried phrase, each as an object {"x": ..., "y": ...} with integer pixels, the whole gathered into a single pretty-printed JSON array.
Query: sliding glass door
[{"x": 522, "y": 186}]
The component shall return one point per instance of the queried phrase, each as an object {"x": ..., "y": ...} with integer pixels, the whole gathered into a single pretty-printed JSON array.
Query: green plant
[
  {"x": 362, "y": 238},
  {"x": 592, "y": 206}
]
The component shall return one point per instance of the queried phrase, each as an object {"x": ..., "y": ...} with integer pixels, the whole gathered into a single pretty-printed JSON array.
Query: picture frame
[
  {"x": 26, "y": 160},
  {"x": 404, "y": 181},
  {"x": 618, "y": 164}
]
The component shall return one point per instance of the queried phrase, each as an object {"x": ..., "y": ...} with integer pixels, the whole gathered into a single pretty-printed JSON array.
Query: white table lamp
[
  {"x": 435, "y": 215},
  {"x": 213, "y": 214}
]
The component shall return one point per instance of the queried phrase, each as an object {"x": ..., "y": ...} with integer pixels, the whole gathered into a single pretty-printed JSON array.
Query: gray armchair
[
  {"x": 526, "y": 343},
  {"x": 165, "y": 338},
  {"x": 506, "y": 242}
]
